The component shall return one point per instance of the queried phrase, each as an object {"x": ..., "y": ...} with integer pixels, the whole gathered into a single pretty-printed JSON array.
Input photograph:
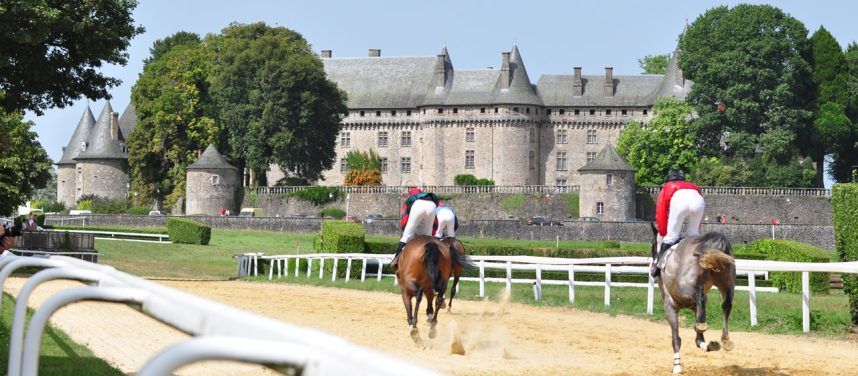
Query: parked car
[
  {"x": 251, "y": 212},
  {"x": 588, "y": 219},
  {"x": 155, "y": 213},
  {"x": 542, "y": 221},
  {"x": 370, "y": 218},
  {"x": 79, "y": 212}
]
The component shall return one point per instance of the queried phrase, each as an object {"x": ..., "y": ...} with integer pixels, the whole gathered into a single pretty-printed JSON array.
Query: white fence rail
[
  {"x": 220, "y": 332},
  {"x": 114, "y": 235},
  {"x": 753, "y": 269}
]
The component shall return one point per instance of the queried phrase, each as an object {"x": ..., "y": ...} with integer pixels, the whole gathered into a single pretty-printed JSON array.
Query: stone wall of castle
[
  {"x": 617, "y": 198},
  {"x": 209, "y": 190},
  {"x": 105, "y": 178},
  {"x": 66, "y": 185}
]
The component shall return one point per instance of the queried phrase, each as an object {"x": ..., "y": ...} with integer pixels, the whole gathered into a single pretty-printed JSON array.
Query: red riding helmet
[{"x": 414, "y": 191}]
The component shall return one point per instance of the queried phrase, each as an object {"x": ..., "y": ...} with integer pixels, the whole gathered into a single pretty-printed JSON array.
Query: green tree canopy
[
  {"x": 754, "y": 60},
  {"x": 24, "y": 165},
  {"x": 52, "y": 50},
  {"x": 830, "y": 71},
  {"x": 654, "y": 64},
  {"x": 663, "y": 145},
  {"x": 845, "y": 154},
  {"x": 175, "y": 119},
  {"x": 162, "y": 46},
  {"x": 275, "y": 102}
]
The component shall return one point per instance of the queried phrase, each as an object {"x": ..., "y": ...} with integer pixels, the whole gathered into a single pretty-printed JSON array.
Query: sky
[{"x": 553, "y": 36}]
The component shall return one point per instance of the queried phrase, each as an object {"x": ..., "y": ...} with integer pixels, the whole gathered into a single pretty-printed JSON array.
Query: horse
[
  {"x": 691, "y": 268},
  {"x": 425, "y": 265},
  {"x": 455, "y": 244}
]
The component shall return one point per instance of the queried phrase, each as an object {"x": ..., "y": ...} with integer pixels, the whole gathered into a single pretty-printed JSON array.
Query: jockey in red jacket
[
  {"x": 679, "y": 200},
  {"x": 418, "y": 218}
]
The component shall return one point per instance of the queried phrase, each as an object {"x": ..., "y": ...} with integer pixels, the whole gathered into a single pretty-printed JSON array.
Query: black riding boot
[
  {"x": 655, "y": 271},
  {"x": 395, "y": 262}
]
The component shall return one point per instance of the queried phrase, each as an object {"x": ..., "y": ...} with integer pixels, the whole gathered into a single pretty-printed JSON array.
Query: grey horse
[{"x": 690, "y": 269}]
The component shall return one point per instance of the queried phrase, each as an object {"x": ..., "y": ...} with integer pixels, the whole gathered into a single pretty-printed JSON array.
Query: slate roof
[
  {"x": 521, "y": 90},
  {"x": 80, "y": 135},
  {"x": 607, "y": 160},
  {"x": 383, "y": 82},
  {"x": 210, "y": 159},
  {"x": 99, "y": 144},
  {"x": 556, "y": 90},
  {"x": 128, "y": 120}
]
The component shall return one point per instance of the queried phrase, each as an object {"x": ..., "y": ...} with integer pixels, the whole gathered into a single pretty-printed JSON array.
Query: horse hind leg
[
  {"x": 727, "y": 293},
  {"x": 700, "y": 325},
  {"x": 670, "y": 313},
  {"x": 406, "y": 300},
  {"x": 431, "y": 312},
  {"x": 453, "y": 290},
  {"x": 415, "y": 334}
]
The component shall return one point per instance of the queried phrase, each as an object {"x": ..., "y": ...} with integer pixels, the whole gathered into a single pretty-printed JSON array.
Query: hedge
[
  {"x": 789, "y": 250},
  {"x": 188, "y": 231},
  {"x": 844, "y": 200},
  {"x": 139, "y": 210},
  {"x": 339, "y": 237}
]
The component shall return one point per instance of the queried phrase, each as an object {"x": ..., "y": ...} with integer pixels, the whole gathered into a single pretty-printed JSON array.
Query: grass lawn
[{"x": 59, "y": 354}]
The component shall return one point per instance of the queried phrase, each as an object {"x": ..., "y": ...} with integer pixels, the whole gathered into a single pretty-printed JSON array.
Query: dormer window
[{"x": 83, "y": 146}]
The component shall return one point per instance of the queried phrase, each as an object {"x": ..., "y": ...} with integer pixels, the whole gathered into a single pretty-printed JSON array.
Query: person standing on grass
[
  {"x": 679, "y": 200},
  {"x": 417, "y": 218}
]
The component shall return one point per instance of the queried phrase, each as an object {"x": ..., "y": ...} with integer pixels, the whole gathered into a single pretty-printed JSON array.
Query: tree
[
  {"x": 175, "y": 119},
  {"x": 664, "y": 145},
  {"x": 275, "y": 103},
  {"x": 654, "y": 64},
  {"x": 364, "y": 168},
  {"x": 753, "y": 61},
  {"x": 162, "y": 46},
  {"x": 24, "y": 165},
  {"x": 52, "y": 50},
  {"x": 845, "y": 154}
]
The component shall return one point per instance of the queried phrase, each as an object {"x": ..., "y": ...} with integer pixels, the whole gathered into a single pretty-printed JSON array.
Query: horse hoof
[
  {"x": 713, "y": 346},
  {"x": 432, "y": 332},
  {"x": 443, "y": 304},
  {"x": 415, "y": 333},
  {"x": 728, "y": 345},
  {"x": 677, "y": 369},
  {"x": 701, "y": 327}
]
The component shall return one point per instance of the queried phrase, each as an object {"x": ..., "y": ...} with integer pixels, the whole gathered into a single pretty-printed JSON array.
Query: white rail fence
[
  {"x": 115, "y": 235},
  {"x": 219, "y": 332},
  {"x": 753, "y": 269}
]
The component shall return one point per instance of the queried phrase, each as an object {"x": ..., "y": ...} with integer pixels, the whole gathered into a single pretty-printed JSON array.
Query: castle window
[
  {"x": 440, "y": 110},
  {"x": 560, "y": 182},
  {"x": 408, "y": 113},
  {"x": 384, "y": 165},
  {"x": 577, "y": 112},
  {"x": 215, "y": 179},
  {"x": 345, "y": 140},
  {"x": 393, "y": 113},
  {"x": 562, "y": 112},
  {"x": 406, "y": 138},
  {"x": 562, "y": 164},
  {"x": 625, "y": 112},
  {"x": 531, "y": 160},
  {"x": 469, "y": 135},
  {"x": 609, "y": 179},
  {"x": 644, "y": 112},
  {"x": 548, "y": 111},
  {"x": 600, "y": 208},
  {"x": 405, "y": 165},
  {"x": 608, "y": 112},
  {"x": 591, "y": 136},
  {"x": 482, "y": 110},
  {"x": 424, "y": 111},
  {"x": 592, "y": 112},
  {"x": 496, "y": 110},
  {"x": 527, "y": 110},
  {"x": 591, "y": 155},
  {"x": 361, "y": 113},
  {"x": 382, "y": 139},
  {"x": 378, "y": 114},
  {"x": 455, "y": 110},
  {"x": 469, "y": 159},
  {"x": 343, "y": 166},
  {"x": 532, "y": 135},
  {"x": 515, "y": 109},
  {"x": 562, "y": 136}
]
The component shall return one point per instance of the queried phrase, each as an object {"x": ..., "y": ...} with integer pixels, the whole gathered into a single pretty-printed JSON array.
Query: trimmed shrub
[
  {"x": 844, "y": 200},
  {"x": 788, "y": 250},
  {"x": 188, "y": 231},
  {"x": 139, "y": 210},
  {"x": 468, "y": 179},
  {"x": 340, "y": 237},
  {"x": 84, "y": 205},
  {"x": 318, "y": 195},
  {"x": 335, "y": 213}
]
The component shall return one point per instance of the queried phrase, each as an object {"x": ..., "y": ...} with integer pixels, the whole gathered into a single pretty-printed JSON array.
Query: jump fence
[
  {"x": 753, "y": 269},
  {"x": 219, "y": 332}
]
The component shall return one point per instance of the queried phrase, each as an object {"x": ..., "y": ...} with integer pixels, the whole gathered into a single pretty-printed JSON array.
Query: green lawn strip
[
  {"x": 777, "y": 312},
  {"x": 59, "y": 354}
]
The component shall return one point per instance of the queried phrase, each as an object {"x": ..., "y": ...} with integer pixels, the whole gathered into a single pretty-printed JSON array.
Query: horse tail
[
  {"x": 716, "y": 260},
  {"x": 460, "y": 258},
  {"x": 431, "y": 257}
]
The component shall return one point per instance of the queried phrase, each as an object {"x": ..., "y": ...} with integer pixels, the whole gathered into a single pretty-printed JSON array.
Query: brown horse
[
  {"x": 455, "y": 244},
  {"x": 424, "y": 269},
  {"x": 690, "y": 269}
]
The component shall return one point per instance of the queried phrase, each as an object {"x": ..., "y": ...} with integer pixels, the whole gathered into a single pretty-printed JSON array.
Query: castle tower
[
  {"x": 607, "y": 187},
  {"x": 66, "y": 175},
  {"x": 211, "y": 184},
  {"x": 101, "y": 168}
]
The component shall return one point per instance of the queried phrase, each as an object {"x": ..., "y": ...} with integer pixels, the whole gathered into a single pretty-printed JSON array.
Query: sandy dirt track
[{"x": 499, "y": 339}]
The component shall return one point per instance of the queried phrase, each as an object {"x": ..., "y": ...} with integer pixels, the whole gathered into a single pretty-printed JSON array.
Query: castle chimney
[
  {"x": 374, "y": 52},
  {"x": 326, "y": 54},
  {"x": 577, "y": 85},
  {"x": 505, "y": 76},
  {"x": 114, "y": 126},
  {"x": 441, "y": 70},
  {"x": 609, "y": 81}
]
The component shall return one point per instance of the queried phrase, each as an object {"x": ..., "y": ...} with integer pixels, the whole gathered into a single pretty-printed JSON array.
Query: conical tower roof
[
  {"x": 210, "y": 159},
  {"x": 520, "y": 88},
  {"x": 607, "y": 160},
  {"x": 80, "y": 135},
  {"x": 127, "y": 121},
  {"x": 100, "y": 143}
]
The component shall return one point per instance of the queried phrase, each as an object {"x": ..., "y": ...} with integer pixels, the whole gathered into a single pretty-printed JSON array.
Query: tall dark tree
[
  {"x": 845, "y": 155},
  {"x": 51, "y": 50},
  {"x": 24, "y": 165},
  {"x": 275, "y": 103},
  {"x": 162, "y": 46},
  {"x": 654, "y": 64}
]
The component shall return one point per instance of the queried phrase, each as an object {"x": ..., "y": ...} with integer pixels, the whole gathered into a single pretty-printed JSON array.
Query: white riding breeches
[
  {"x": 420, "y": 220},
  {"x": 446, "y": 224},
  {"x": 686, "y": 204}
]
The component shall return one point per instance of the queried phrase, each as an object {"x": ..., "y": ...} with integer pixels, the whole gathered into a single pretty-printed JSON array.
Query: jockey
[
  {"x": 448, "y": 223},
  {"x": 679, "y": 200},
  {"x": 418, "y": 217}
]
